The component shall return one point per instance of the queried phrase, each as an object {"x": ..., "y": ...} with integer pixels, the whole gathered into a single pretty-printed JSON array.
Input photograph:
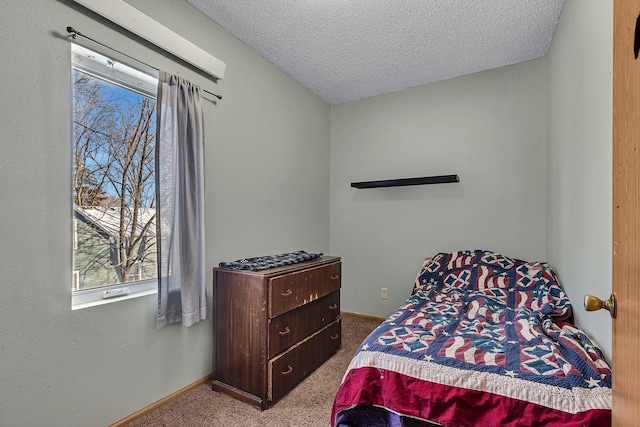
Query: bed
[{"x": 483, "y": 340}]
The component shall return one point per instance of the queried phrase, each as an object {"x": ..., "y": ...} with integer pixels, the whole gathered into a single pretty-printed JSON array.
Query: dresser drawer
[
  {"x": 296, "y": 289},
  {"x": 292, "y": 326},
  {"x": 290, "y": 367}
]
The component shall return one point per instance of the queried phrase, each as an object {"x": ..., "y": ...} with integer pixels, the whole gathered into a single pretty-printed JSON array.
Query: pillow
[{"x": 508, "y": 281}]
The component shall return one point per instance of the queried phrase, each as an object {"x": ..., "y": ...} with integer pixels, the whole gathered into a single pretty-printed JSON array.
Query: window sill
[{"x": 94, "y": 297}]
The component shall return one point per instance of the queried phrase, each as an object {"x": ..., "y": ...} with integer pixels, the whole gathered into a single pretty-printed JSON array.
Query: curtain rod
[{"x": 75, "y": 34}]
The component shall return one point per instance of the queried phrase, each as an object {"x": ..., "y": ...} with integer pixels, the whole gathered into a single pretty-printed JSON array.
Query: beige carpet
[{"x": 308, "y": 404}]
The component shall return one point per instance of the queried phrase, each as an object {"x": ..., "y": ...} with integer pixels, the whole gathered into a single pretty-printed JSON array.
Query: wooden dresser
[{"x": 274, "y": 327}]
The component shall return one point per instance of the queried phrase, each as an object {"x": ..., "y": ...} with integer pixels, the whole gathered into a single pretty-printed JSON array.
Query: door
[{"x": 626, "y": 215}]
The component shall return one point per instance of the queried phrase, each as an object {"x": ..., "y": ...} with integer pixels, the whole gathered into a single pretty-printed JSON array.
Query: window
[{"x": 113, "y": 146}]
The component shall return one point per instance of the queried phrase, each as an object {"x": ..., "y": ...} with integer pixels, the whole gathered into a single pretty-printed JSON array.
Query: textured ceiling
[{"x": 343, "y": 50}]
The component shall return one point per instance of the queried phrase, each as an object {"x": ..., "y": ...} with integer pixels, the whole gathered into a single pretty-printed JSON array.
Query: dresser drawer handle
[
  {"x": 288, "y": 371},
  {"x": 333, "y": 307},
  {"x": 286, "y": 331},
  {"x": 335, "y": 277},
  {"x": 287, "y": 293},
  {"x": 335, "y": 336}
]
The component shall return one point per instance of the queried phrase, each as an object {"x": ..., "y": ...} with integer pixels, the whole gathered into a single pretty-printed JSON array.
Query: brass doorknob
[{"x": 592, "y": 303}]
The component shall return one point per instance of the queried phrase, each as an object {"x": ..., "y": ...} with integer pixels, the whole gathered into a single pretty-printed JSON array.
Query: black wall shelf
[{"x": 441, "y": 179}]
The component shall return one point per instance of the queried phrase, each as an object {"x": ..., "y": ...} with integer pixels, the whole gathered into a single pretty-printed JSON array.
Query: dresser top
[{"x": 284, "y": 269}]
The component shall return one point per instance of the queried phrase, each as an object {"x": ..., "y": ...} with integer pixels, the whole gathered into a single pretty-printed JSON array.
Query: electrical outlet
[{"x": 384, "y": 293}]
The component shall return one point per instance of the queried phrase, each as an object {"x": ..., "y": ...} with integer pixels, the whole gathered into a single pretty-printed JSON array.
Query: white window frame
[
  {"x": 75, "y": 240},
  {"x": 76, "y": 280},
  {"x": 94, "y": 62},
  {"x": 109, "y": 294}
]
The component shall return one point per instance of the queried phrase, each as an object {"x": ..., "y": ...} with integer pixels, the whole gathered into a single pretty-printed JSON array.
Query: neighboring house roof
[{"x": 107, "y": 219}]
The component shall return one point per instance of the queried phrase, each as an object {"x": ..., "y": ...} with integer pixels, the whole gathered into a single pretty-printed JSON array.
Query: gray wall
[
  {"x": 489, "y": 128},
  {"x": 579, "y": 185},
  {"x": 532, "y": 146},
  {"x": 267, "y": 191}
]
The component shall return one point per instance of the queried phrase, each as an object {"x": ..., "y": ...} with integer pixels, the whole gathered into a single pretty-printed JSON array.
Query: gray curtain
[{"x": 180, "y": 202}]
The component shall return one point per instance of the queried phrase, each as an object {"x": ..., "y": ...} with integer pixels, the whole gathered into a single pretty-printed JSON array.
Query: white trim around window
[{"x": 109, "y": 294}]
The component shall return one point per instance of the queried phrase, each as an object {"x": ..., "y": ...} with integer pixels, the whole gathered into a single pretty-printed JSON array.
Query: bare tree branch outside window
[{"x": 113, "y": 183}]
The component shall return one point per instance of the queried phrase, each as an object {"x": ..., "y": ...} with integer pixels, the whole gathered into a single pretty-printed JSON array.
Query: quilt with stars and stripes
[{"x": 484, "y": 340}]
